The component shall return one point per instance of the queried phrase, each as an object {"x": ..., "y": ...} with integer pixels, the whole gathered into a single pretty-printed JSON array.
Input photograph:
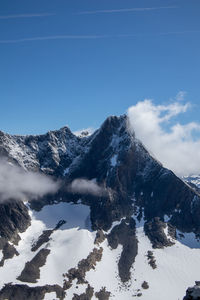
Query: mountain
[
  {"x": 120, "y": 225},
  {"x": 193, "y": 181}
]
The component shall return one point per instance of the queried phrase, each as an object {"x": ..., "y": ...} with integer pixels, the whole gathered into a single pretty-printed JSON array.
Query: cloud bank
[
  {"x": 84, "y": 186},
  {"x": 17, "y": 184},
  {"x": 175, "y": 145}
]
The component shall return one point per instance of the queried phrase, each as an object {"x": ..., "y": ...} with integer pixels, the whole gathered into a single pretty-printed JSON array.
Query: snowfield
[{"x": 177, "y": 266}]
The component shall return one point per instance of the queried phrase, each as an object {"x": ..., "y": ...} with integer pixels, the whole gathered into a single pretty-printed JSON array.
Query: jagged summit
[{"x": 51, "y": 152}]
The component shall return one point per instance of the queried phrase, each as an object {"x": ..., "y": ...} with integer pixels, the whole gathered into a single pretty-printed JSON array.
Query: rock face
[
  {"x": 24, "y": 292},
  {"x": 124, "y": 234},
  {"x": 14, "y": 218},
  {"x": 193, "y": 293},
  {"x": 31, "y": 271},
  {"x": 154, "y": 229}
]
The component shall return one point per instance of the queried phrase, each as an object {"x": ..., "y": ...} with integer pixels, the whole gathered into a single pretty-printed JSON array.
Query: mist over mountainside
[{"x": 110, "y": 223}]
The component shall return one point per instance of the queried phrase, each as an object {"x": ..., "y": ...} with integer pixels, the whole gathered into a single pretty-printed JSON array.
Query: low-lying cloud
[
  {"x": 15, "y": 183},
  {"x": 175, "y": 145},
  {"x": 84, "y": 186}
]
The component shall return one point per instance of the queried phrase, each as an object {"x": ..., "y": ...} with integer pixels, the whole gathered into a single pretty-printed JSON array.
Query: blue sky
[{"x": 76, "y": 62}]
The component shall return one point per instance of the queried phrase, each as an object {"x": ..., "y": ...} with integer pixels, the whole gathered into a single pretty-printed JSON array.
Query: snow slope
[
  {"x": 68, "y": 245},
  {"x": 177, "y": 266}
]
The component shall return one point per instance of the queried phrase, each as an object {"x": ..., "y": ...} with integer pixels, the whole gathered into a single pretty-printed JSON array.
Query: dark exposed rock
[
  {"x": 43, "y": 238},
  {"x": 83, "y": 266},
  {"x": 85, "y": 296},
  {"x": 100, "y": 237},
  {"x": 193, "y": 293},
  {"x": 14, "y": 218},
  {"x": 8, "y": 252},
  {"x": 124, "y": 234},
  {"x": 60, "y": 223},
  {"x": 24, "y": 292},
  {"x": 3, "y": 242},
  {"x": 171, "y": 231},
  {"x": 31, "y": 271},
  {"x": 103, "y": 294},
  {"x": 145, "y": 285},
  {"x": 155, "y": 231},
  {"x": 151, "y": 259},
  {"x": 67, "y": 285}
]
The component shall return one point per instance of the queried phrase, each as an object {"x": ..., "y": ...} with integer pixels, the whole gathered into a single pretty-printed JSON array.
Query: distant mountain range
[{"x": 118, "y": 226}]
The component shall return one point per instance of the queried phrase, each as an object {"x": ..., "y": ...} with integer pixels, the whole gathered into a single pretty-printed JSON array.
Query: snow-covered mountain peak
[{"x": 118, "y": 226}]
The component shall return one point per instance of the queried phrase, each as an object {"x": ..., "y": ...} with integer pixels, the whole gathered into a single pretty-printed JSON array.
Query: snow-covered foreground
[
  {"x": 68, "y": 246},
  {"x": 177, "y": 266},
  {"x": 177, "y": 269}
]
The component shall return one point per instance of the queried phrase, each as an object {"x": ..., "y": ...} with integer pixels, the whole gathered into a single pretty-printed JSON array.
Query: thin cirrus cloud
[
  {"x": 22, "y": 16},
  {"x": 124, "y": 10},
  {"x": 94, "y": 37},
  {"x": 53, "y": 37}
]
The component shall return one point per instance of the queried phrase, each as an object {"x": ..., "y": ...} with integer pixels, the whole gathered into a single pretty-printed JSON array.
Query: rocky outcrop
[
  {"x": 155, "y": 231},
  {"x": 145, "y": 285},
  {"x": 14, "y": 218},
  {"x": 151, "y": 259},
  {"x": 124, "y": 234},
  {"x": 8, "y": 252},
  {"x": 193, "y": 293},
  {"x": 31, "y": 271},
  {"x": 85, "y": 296},
  {"x": 100, "y": 237},
  {"x": 103, "y": 294},
  {"x": 24, "y": 292},
  {"x": 43, "y": 238},
  {"x": 83, "y": 266}
]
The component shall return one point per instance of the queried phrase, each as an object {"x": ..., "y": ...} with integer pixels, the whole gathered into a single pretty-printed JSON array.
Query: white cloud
[
  {"x": 176, "y": 148},
  {"x": 84, "y": 186},
  {"x": 18, "y": 184}
]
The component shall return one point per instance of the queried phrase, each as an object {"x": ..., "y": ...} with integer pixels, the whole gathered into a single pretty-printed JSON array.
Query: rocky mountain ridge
[{"x": 135, "y": 188}]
